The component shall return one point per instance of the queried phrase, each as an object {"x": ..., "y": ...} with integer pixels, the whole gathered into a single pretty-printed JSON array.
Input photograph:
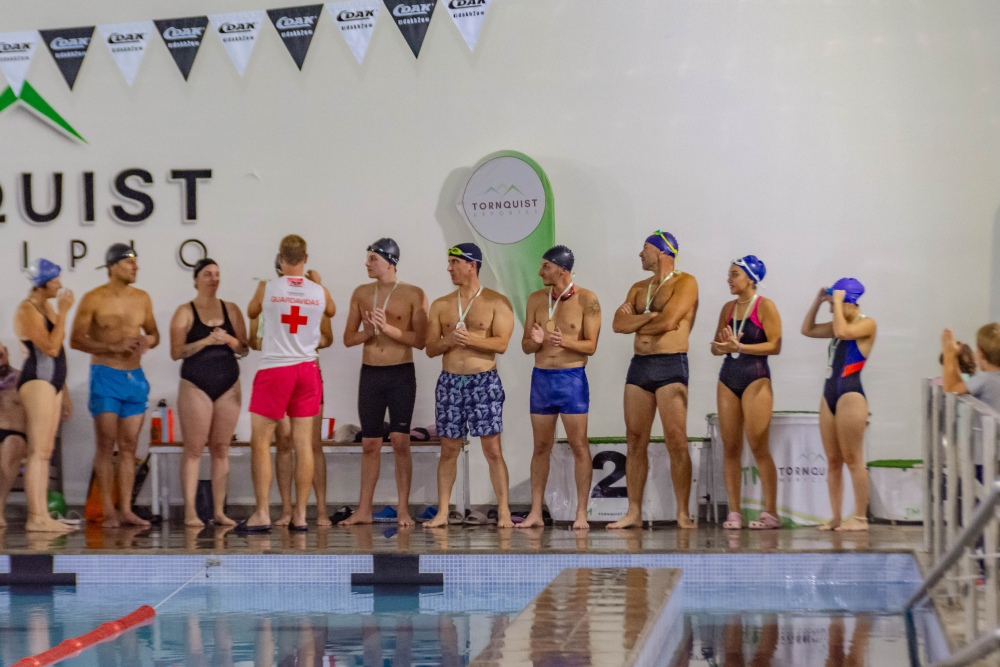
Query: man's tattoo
[{"x": 593, "y": 308}]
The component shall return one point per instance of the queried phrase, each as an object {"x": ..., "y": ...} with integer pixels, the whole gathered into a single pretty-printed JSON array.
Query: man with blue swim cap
[
  {"x": 561, "y": 328},
  {"x": 114, "y": 324},
  {"x": 468, "y": 329},
  {"x": 660, "y": 312}
]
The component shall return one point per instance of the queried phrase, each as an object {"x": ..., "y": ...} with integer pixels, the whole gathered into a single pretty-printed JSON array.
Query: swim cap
[
  {"x": 561, "y": 256},
  {"x": 752, "y": 266},
  {"x": 387, "y": 249},
  {"x": 852, "y": 287},
  {"x": 202, "y": 263},
  {"x": 664, "y": 242},
  {"x": 116, "y": 253},
  {"x": 42, "y": 271},
  {"x": 470, "y": 252}
]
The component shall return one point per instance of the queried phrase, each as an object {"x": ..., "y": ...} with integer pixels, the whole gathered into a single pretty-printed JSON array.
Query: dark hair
[
  {"x": 966, "y": 359},
  {"x": 200, "y": 266}
]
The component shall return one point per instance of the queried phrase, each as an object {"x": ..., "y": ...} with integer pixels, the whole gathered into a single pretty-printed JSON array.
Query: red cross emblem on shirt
[{"x": 293, "y": 320}]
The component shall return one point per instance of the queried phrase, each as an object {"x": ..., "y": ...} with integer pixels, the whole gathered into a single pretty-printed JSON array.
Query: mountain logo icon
[{"x": 502, "y": 190}]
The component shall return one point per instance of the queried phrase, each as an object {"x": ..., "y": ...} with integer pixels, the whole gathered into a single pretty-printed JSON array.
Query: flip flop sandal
[
  {"x": 72, "y": 518},
  {"x": 765, "y": 521},
  {"x": 429, "y": 513},
  {"x": 342, "y": 514},
  {"x": 386, "y": 515},
  {"x": 455, "y": 518},
  {"x": 734, "y": 521},
  {"x": 477, "y": 518},
  {"x": 243, "y": 529}
]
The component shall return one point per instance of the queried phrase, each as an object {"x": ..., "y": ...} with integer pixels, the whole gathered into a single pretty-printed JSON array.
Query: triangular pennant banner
[
  {"x": 183, "y": 39},
  {"x": 238, "y": 32},
  {"x": 468, "y": 16},
  {"x": 295, "y": 26},
  {"x": 127, "y": 43},
  {"x": 412, "y": 17},
  {"x": 16, "y": 51},
  {"x": 356, "y": 20},
  {"x": 68, "y": 47}
]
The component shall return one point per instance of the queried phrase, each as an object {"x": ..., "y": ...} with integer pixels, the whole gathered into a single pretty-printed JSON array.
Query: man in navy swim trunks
[
  {"x": 469, "y": 327},
  {"x": 114, "y": 324},
  {"x": 561, "y": 329},
  {"x": 660, "y": 312}
]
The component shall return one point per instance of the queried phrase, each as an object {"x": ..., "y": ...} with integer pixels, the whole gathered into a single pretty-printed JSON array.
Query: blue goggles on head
[{"x": 750, "y": 270}]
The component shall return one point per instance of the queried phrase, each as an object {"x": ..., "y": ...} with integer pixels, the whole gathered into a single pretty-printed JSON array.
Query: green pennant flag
[{"x": 508, "y": 205}]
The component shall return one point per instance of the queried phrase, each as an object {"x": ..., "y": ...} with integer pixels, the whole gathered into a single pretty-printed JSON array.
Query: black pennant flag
[
  {"x": 295, "y": 26},
  {"x": 68, "y": 47},
  {"x": 183, "y": 38},
  {"x": 412, "y": 17}
]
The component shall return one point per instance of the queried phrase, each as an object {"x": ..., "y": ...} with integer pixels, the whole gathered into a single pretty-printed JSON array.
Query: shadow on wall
[
  {"x": 995, "y": 272},
  {"x": 452, "y": 223}
]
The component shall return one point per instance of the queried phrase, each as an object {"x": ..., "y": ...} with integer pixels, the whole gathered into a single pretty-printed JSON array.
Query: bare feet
[
  {"x": 685, "y": 522},
  {"x": 439, "y": 521},
  {"x": 533, "y": 520},
  {"x": 581, "y": 522},
  {"x": 223, "y": 520},
  {"x": 284, "y": 519},
  {"x": 832, "y": 524},
  {"x": 112, "y": 521},
  {"x": 193, "y": 521},
  {"x": 357, "y": 518},
  {"x": 403, "y": 518},
  {"x": 503, "y": 520},
  {"x": 627, "y": 521},
  {"x": 46, "y": 525},
  {"x": 3, "y": 524},
  {"x": 323, "y": 521},
  {"x": 258, "y": 519},
  {"x": 131, "y": 519},
  {"x": 854, "y": 524}
]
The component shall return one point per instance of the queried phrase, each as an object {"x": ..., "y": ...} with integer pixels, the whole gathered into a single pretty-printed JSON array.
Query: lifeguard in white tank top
[{"x": 292, "y": 308}]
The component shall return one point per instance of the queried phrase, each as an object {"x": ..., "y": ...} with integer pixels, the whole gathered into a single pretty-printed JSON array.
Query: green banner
[{"x": 508, "y": 205}]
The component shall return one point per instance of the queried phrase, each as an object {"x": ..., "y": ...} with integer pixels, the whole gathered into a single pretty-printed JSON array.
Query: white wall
[{"x": 839, "y": 138}]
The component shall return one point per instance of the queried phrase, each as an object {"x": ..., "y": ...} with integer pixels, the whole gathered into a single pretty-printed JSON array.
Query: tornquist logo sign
[
  {"x": 413, "y": 10},
  {"x": 504, "y": 200},
  {"x": 228, "y": 28},
  {"x": 466, "y": 4},
  {"x": 360, "y": 15},
  {"x": 173, "y": 33},
  {"x": 63, "y": 44},
  {"x": 289, "y": 23}
]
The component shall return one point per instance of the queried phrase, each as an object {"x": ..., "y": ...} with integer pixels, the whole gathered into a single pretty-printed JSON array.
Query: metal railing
[{"x": 960, "y": 450}]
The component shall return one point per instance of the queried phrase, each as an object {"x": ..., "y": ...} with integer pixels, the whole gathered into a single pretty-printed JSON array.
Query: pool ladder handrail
[{"x": 990, "y": 641}]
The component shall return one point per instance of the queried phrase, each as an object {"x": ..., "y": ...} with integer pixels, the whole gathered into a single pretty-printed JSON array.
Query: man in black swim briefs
[
  {"x": 660, "y": 311},
  {"x": 13, "y": 441}
]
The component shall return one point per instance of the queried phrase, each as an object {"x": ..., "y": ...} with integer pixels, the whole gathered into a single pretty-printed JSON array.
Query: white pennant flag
[
  {"x": 468, "y": 16},
  {"x": 127, "y": 43},
  {"x": 238, "y": 32},
  {"x": 356, "y": 20},
  {"x": 16, "y": 51}
]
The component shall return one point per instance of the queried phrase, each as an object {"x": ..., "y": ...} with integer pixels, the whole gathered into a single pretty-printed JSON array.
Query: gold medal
[{"x": 550, "y": 326}]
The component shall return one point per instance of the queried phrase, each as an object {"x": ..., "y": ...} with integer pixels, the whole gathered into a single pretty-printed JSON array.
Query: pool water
[{"x": 295, "y": 624}]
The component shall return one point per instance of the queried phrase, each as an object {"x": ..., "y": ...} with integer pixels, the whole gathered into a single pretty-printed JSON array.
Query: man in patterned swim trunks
[{"x": 469, "y": 327}]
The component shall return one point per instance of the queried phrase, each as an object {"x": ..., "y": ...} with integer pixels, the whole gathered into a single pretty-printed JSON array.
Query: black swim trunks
[
  {"x": 652, "y": 371},
  {"x": 381, "y": 388}
]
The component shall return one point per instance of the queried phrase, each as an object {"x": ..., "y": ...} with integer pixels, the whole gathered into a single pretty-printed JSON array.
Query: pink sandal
[
  {"x": 765, "y": 521},
  {"x": 734, "y": 521}
]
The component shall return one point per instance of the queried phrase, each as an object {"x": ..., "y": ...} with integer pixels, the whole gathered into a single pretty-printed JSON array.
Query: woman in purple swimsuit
[{"x": 749, "y": 331}]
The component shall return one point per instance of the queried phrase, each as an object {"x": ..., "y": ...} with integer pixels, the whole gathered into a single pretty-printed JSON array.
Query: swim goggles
[
  {"x": 667, "y": 241},
  {"x": 457, "y": 252},
  {"x": 739, "y": 262}
]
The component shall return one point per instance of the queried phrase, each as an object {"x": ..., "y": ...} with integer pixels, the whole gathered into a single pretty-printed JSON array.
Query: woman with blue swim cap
[
  {"x": 843, "y": 412},
  {"x": 749, "y": 331},
  {"x": 42, "y": 384}
]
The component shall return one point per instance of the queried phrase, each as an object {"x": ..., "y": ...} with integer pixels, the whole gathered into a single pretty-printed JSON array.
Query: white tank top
[{"x": 292, "y": 309}]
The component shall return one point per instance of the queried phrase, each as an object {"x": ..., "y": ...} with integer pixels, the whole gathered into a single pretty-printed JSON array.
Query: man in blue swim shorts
[
  {"x": 468, "y": 328},
  {"x": 114, "y": 324},
  {"x": 561, "y": 328}
]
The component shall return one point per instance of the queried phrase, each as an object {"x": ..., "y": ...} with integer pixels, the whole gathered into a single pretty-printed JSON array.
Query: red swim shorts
[{"x": 296, "y": 390}]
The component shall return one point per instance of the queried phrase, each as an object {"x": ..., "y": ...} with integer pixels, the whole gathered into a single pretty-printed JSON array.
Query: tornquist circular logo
[{"x": 504, "y": 200}]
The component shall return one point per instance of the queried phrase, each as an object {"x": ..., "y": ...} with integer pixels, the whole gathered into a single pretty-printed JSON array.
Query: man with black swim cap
[
  {"x": 388, "y": 317},
  {"x": 660, "y": 311},
  {"x": 561, "y": 328},
  {"x": 115, "y": 325},
  {"x": 468, "y": 329}
]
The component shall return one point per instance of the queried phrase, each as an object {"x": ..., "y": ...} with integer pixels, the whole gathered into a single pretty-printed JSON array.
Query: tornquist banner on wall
[
  {"x": 296, "y": 26},
  {"x": 127, "y": 43},
  {"x": 68, "y": 47},
  {"x": 17, "y": 49},
  {"x": 183, "y": 39},
  {"x": 356, "y": 21},
  {"x": 412, "y": 17},
  {"x": 238, "y": 33},
  {"x": 468, "y": 16}
]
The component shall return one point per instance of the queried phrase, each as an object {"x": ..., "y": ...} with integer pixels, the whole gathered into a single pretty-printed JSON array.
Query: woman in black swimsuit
[
  {"x": 749, "y": 331},
  {"x": 42, "y": 384},
  {"x": 208, "y": 334}
]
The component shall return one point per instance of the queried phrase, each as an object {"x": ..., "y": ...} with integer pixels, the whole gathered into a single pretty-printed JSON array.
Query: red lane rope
[{"x": 69, "y": 647}]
